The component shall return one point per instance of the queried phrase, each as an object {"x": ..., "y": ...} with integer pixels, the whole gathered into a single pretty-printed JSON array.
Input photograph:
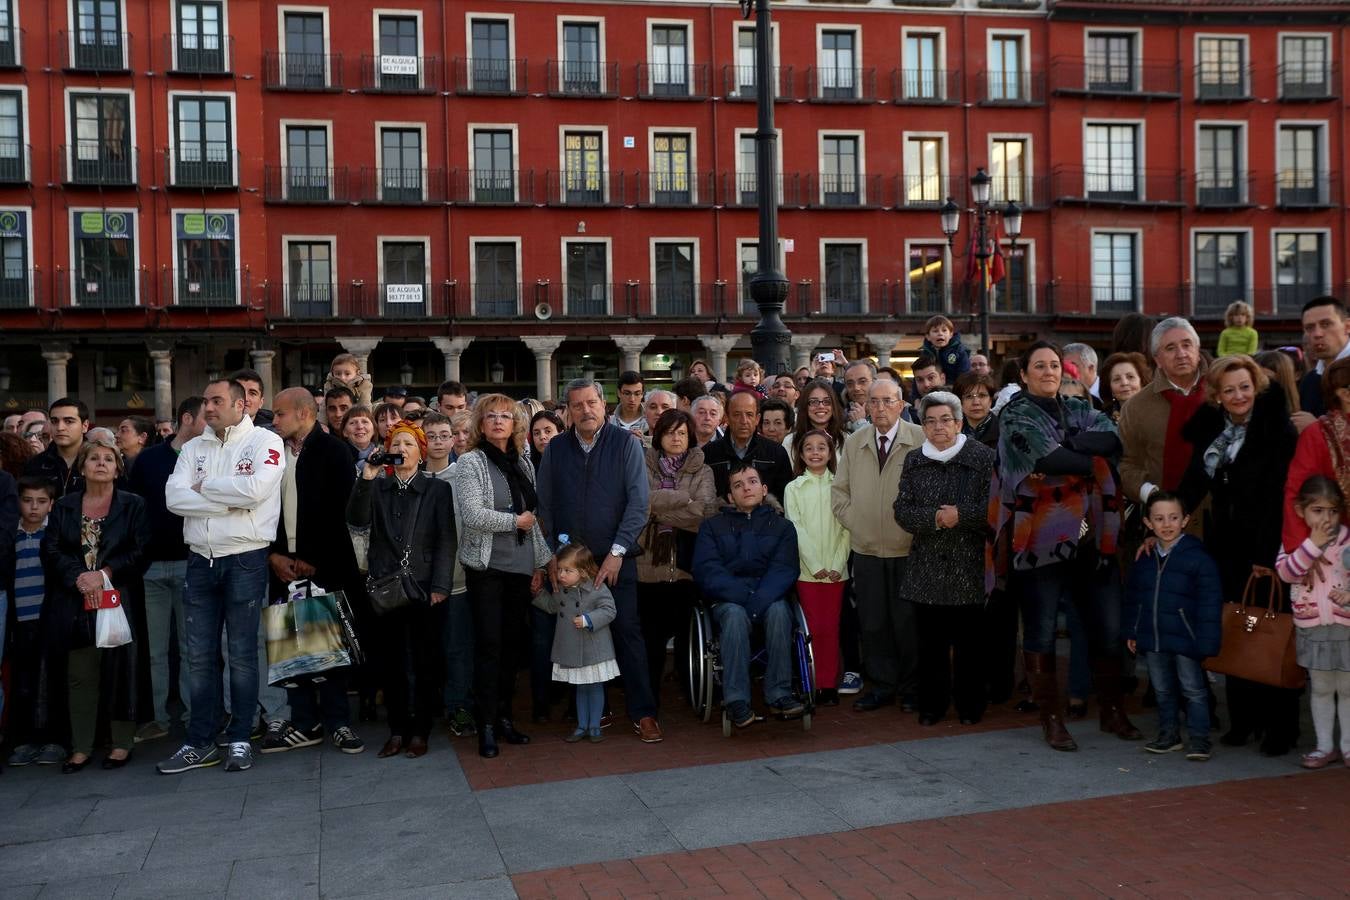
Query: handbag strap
[
  {"x": 412, "y": 526},
  {"x": 1247, "y": 592}
]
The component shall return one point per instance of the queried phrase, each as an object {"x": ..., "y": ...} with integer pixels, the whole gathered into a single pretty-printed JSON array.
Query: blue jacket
[
  {"x": 746, "y": 559},
  {"x": 953, "y": 358},
  {"x": 1173, "y": 603},
  {"x": 599, "y": 498}
]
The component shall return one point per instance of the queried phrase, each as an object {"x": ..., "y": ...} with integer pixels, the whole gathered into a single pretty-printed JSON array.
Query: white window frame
[
  {"x": 737, "y": 27},
  {"x": 1327, "y": 39},
  {"x": 1243, "y": 174},
  {"x": 1327, "y": 251},
  {"x": 327, "y": 39},
  {"x": 424, "y": 240},
  {"x": 944, "y": 177},
  {"x": 741, "y": 133},
  {"x": 474, "y": 241},
  {"x": 1023, "y": 76},
  {"x": 234, "y": 131},
  {"x": 865, "y": 272},
  {"x": 608, "y": 243},
  {"x": 124, "y": 32},
  {"x": 1028, "y": 161},
  {"x": 379, "y": 13},
  {"x": 599, "y": 22},
  {"x": 1246, "y": 40},
  {"x": 1323, "y": 127},
  {"x": 1140, "y": 146},
  {"x": 17, "y": 38},
  {"x": 69, "y": 118},
  {"x": 332, "y": 242},
  {"x": 688, "y": 131},
  {"x": 326, "y": 124},
  {"x": 225, "y": 48},
  {"x": 689, "y": 57},
  {"x": 510, "y": 20},
  {"x": 76, "y": 211},
  {"x": 1250, "y": 263},
  {"x": 741, "y": 244},
  {"x": 1136, "y": 55},
  {"x": 26, "y": 139},
  {"x": 861, "y": 137},
  {"x": 177, "y": 260},
  {"x": 31, "y": 269},
  {"x": 946, "y": 268},
  {"x": 1138, "y": 234},
  {"x": 471, "y": 129},
  {"x": 607, "y": 159},
  {"x": 651, "y": 267},
  {"x": 821, "y": 28},
  {"x": 907, "y": 65},
  {"x": 1028, "y": 248}
]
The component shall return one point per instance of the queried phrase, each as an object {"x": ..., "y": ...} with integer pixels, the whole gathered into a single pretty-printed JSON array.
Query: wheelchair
[{"x": 704, "y": 671}]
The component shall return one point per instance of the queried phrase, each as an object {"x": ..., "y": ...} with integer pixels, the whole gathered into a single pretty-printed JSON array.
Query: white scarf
[{"x": 943, "y": 456}]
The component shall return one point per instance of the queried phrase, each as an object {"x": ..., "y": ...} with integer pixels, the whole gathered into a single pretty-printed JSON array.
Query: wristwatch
[{"x": 617, "y": 552}]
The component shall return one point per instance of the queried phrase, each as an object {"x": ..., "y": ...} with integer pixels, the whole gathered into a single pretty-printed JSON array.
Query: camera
[
  {"x": 381, "y": 458},
  {"x": 824, "y": 357}
]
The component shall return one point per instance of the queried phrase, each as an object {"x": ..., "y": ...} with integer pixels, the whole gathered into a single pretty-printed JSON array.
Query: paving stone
[
  {"x": 294, "y": 877},
  {"x": 761, "y": 817},
  {"x": 81, "y": 888},
  {"x": 368, "y": 779},
  {"x": 75, "y": 857},
  {"x": 711, "y": 783},
  {"x": 53, "y": 820},
  {"x": 20, "y": 891},
  {"x": 197, "y": 881},
  {"x": 122, "y": 813},
  {"x": 499, "y": 888},
  {"x": 212, "y": 841}
]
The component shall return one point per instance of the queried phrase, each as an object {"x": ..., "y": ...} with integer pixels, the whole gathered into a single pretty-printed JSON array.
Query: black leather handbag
[{"x": 393, "y": 592}]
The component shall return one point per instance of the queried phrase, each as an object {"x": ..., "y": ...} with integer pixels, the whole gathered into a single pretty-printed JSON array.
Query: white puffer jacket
[{"x": 239, "y": 502}]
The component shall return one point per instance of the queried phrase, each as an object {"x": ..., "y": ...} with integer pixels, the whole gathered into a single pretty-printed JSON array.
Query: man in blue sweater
[{"x": 593, "y": 488}]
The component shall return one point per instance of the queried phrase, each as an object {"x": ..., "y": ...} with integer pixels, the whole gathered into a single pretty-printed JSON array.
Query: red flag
[{"x": 996, "y": 270}]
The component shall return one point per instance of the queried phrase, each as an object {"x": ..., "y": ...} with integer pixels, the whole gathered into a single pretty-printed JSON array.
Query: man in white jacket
[{"x": 227, "y": 488}]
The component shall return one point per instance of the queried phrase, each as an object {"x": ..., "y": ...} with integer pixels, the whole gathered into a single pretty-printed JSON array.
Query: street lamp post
[
  {"x": 770, "y": 339},
  {"x": 980, "y": 184}
]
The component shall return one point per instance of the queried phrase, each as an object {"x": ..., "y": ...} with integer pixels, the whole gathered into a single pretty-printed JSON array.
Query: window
[
  {"x": 745, "y": 62},
  {"x": 670, "y": 169},
  {"x": 14, "y": 289},
  {"x": 923, "y": 170},
  {"x": 670, "y": 60},
  {"x": 1220, "y": 270},
  {"x": 1011, "y": 294},
  {"x": 307, "y": 175},
  {"x": 1110, "y": 62},
  {"x": 200, "y": 40},
  {"x": 839, "y": 171},
  {"x": 400, "y": 54},
  {"x": 1115, "y": 271},
  {"x": 927, "y": 278},
  {"x": 1008, "y": 79},
  {"x": 838, "y": 65},
  {"x": 1111, "y": 166},
  {"x": 587, "y": 278},
  {"x": 401, "y": 157},
  {"x": 98, "y": 35},
  {"x": 583, "y": 167},
  {"x": 674, "y": 286},
  {"x": 1008, "y": 167},
  {"x": 1303, "y": 67},
  {"x": 1218, "y": 180},
  {"x": 102, "y": 134},
  {"x": 1300, "y": 178},
  {"x": 1222, "y": 71},
  {"x": 306, "y": 62},
  {"x": 105, "y": 270},
  {"x": 923, "y": 78},
  {"x": 310, "y": 281},
  {"x": 405, "y": 278},
  {"x": 204, "y": 155},
  {"x": 491, "y": 56},
  {"x": 843, "y": 279},
  {"x": 9, "y": 54},
  {"x": 1300, "y": 269},
  {"x": 205, "y": 259},
  {"x": 496, "y": 289},
  {"x": 494, "y": 178},
  {"x": 747, "y": 172},
  {"x": 13, "y": 151},
  {"x": 581, "y": 58},
  {"x": 749, "y": 259}
]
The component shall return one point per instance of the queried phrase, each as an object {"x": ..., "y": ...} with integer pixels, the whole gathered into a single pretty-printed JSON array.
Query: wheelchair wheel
[
  {"x": 726, "y": 724},
  {"x": 806, "y": 666},
  {"x": 700, "y": 670}
]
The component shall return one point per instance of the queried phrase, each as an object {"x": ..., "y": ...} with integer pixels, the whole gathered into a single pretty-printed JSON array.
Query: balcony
[
  {"x": 217, "y": 171},
  {"x": 1146, "y": 188},
  {"x": 738, "y": 83},
  {"x": 403, "y": 187},
  {"x": 1113, "y": 299},
  {"x": 198, "y": 54},
  {"x": 396, "y": 301},
  {"x": 1306, "y": 82},
  {"x": 401, "y": 74},
  {"x": 1288, "y": 299},
  {"x": 1095, "y": 78},
  {"x": 19, "y": 288},
  {"x": 741, "y": 189},
  {"x": 1223, "y": 84},
  {"x": 490, "y": 77},
  {"x": 15, "y": 161},
  {"x": 302, "y": 71},
  {"x": 493, "y": 187},
  {"x": 844, "y": 191},
  {"x": 10, "y": 43},
  {"x": 586, "y": 300},
  {"x": 676, "y": 189},
  {"x": 1304, "y": 189},
  {"x": 662, "y": 81},
  {"x": 833, "y": 85},
  {"x": 1223, "y": 190},
  {"x": 305, "y": 184},
  {"x": 86, "y": 50},
  {"x": 310, "y": 301},
  {"x": 589, "y": 189},
  {"x": 97, "y": 290},
  {"x": 96, "y": 164},
  {"x": 926, "y": 87},
  {"x": 496, "y": 299},
  {"x": 205, "y": 291},
  {"x": 1010, "y": 88},
  {"x": 571, "y": 78}
]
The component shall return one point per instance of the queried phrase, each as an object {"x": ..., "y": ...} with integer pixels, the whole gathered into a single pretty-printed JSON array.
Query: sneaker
[
  {"x": 462, "y": 724},
  {"x": 282, "y": 736},
  {"x": 787, "y": 708},
  {"x": 190, "y": 757},
  {"x": 741, "y": 715},
  {"x": 24, "y": 755},
  {"x": 594, "y": 736},
  {"x": 1198, "y": 751},
  {"x": 1165, "y": 743},
  {"x": 575, "y": 736},
  {"x": 51, "y": 755},
  {"x": 852, "y": 683},
  {"x": 240, "y": 758},
  {"x": 346, "y": 740},
  {"x": 151, "y": 731}
]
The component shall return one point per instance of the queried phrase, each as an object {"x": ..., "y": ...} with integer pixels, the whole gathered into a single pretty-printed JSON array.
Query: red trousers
[{"x": 821, "y": 603}]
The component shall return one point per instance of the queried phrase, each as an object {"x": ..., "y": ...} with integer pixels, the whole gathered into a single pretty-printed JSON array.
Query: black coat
[
  {"x": 768, "y": 457},
  {"x": 1242, "y": 523},
  {"x": 65, "y": 625},
  {"x": 9, "y": 527},
  {"x": 324, "y": 475},
  {"x": 382, "y": 506},
  {"x": 49, "y": 466}
]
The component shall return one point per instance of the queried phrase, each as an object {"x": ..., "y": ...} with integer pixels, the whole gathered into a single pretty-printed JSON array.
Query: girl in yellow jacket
[{"x": 822, "y": 545}]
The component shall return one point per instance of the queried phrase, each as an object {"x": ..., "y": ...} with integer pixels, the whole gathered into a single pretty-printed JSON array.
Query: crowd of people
[{"x": 925, "y": 526}]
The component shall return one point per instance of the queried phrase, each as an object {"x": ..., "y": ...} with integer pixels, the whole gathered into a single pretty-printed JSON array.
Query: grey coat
[
  {"x": 476, "y": 513},
  {"x": 575, "y": 647},
  {"x": 946, "y": 565}
]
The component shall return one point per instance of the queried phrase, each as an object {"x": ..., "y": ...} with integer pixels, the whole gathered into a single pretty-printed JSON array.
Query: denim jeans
[
  {"x": 1172, "y": 674},
  {"x": 457, "y": 641},
  {"x": 321, "y": 701},
  {"x": 225, "y": 592},
  {"x": 542, "y": 626},
  {"x": 163, "y": 604},
  {"x": 273, "y": 702},
  {"x": 1094, "y": 592},
  {"x": 733, "y": 641}
]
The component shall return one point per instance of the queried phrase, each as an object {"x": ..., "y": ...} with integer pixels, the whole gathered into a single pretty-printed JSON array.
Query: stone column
[
  {"x": 162, "y": 356},
  {"x": 452, "y": 349},
  {"x": 361, "y": 348},
  {"x": 262, "y": 364},
  {"x": 543, "y": 347},
  {"x": 883, "y": 344},
  {"x": 802, "y": 347},
  {"x": 719, "y": 345},
  {"x": 632, "y": 345},
  {"x": 58, "y": 356}
]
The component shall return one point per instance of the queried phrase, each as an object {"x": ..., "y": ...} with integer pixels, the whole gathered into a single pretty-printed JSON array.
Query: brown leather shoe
[
  {"x": 649, "y": 731},
  {"x": 417, "y": 747},
  {"x": 1110, "y": 700},
  {"x": 392, "y": 747},
  {"x": 1045, "y": 691}
]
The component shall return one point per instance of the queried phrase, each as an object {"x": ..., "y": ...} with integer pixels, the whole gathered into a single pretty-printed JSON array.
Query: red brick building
[{"x": 516, "y": 191}]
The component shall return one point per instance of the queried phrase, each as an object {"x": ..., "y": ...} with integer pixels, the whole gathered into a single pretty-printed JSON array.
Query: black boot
[
  {"x": 509, "y": 734},
  {"x": 487, "y": 742}
]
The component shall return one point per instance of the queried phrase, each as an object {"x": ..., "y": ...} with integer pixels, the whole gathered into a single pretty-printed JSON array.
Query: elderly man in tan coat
[
  {"x": 1156, "y": 455},
  {"x": 863, "y": 499}
]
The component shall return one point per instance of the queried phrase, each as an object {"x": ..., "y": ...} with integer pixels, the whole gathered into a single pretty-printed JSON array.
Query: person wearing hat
[{"x": 392, "y": 496}]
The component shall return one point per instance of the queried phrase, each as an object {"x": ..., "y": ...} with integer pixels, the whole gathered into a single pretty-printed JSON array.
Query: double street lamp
[{"x": 980, "y": 184}]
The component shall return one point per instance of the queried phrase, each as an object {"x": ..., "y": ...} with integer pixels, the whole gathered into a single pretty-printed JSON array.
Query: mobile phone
[{"x": 824, "y": 357}]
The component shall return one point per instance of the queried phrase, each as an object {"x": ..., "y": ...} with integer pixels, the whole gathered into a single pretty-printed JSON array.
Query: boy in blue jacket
[
  {"x": 943, "y": 344},
  {"x": 1173, "y": 604},
  {"x": 745, "y": 561}
]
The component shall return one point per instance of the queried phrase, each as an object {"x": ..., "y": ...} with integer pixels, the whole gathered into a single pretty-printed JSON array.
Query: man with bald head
[{"x": 742, "y": 441}]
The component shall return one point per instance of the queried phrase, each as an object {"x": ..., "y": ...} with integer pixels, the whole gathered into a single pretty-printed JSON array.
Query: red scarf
[{"x": 1177, "y": 450}]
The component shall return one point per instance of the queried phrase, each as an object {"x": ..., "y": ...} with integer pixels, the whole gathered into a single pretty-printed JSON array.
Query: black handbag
[{"x": 393, "y": 592}]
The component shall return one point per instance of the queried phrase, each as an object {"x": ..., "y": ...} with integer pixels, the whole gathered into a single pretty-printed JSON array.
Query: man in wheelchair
[{"x": 745, "y": 562}]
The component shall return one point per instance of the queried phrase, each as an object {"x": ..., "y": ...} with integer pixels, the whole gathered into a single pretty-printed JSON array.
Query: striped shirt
[{"x": 28, "y": 586}]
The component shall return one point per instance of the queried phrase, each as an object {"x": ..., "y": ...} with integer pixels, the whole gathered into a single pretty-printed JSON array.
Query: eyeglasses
[
  {"x": 820, "y": 401},
  {"x": 976, "y": 395},
  {"x": 883, "y": 401},
  {"x": 499, "y": 416},
  {"x": 945, "y": 420}
]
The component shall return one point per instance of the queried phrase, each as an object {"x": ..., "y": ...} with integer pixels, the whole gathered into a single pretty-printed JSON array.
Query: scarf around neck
[
  {"x": 1225, "y": 447},
  {"x": 943, "y": 456},
  {"x": 523, "y": 497}
]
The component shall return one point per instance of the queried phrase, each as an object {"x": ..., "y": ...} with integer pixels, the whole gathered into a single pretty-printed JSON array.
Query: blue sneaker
[{"x": 852, "y": 683}]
